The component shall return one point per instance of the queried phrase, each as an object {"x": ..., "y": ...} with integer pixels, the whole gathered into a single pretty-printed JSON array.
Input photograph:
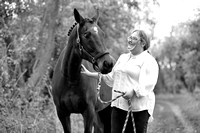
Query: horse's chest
[{"x": 74, "y": 99}]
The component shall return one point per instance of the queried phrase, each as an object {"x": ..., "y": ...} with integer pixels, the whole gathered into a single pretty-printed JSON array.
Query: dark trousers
[
  {"x": 118, "y": 118},
  {"x": 105, "y": 117}
]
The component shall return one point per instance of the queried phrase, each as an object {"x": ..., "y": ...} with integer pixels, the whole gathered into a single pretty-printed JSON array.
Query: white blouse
[{"x": 138, "y": 73}]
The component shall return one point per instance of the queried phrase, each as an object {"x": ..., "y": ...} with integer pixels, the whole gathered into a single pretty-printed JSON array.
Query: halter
[{"x": 92, "y": 59}]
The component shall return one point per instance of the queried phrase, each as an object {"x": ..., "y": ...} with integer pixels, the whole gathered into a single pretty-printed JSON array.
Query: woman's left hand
[{"x": 128, "y": 94}]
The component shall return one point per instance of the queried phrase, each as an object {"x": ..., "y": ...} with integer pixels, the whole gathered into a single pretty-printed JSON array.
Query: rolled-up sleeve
[
  {"x": 147, "y": 79},
  {"x": 108, "y": 79}
]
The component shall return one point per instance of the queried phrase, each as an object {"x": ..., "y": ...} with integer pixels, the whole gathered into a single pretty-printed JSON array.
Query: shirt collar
[{"x": 141, "y": 55}]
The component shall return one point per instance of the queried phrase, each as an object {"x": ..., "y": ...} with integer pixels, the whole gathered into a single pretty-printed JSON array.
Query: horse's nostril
[{"x": 107, "y": 65}]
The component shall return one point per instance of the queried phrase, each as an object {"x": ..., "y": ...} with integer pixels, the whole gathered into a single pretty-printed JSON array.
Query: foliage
[
  {"x": 180, "y": 56},
  {"x": 25, "y": 109}
]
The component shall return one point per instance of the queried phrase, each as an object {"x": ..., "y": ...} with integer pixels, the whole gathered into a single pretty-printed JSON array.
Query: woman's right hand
[
  {"x": 84, "y": 70},
  {"x": 88, "y": 73}
]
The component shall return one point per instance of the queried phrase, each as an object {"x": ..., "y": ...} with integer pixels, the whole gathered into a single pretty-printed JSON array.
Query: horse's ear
[
  {"x": 77, "y": 16},
  {"x": 96, "y": 17}
]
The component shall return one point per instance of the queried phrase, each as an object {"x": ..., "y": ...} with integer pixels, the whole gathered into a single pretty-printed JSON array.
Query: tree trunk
[{"x": 46, "y": 45}]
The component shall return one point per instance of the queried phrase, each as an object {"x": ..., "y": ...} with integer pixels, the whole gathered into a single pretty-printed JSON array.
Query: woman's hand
[
  {"x": 88, "y": 73},
  {"x": 128, "y": 94},
  {"x": 84, "y": 70}
]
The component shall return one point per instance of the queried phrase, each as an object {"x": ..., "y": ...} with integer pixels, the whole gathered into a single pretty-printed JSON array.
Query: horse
[{"x": 72, "y": 91}]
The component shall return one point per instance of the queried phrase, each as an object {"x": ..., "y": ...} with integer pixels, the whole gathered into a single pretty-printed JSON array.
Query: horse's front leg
[
  {"x": 65, "y": 121},
  {"x": 98, "y": 125},
  {"x": 90, "y": 118}
]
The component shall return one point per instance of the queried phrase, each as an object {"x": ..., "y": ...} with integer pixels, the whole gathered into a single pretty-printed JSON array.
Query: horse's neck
[{"x": 71, "y": 64}]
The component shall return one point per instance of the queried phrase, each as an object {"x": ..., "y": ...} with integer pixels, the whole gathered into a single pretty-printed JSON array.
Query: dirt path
[
  {"x": 181, "y": 117},
  {"x": 169, "y": 118}
]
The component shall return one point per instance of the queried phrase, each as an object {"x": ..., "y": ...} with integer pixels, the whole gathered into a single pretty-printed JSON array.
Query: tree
[
  {"x": 180, "y": 56},
  {"x": 47, "y": 45}
]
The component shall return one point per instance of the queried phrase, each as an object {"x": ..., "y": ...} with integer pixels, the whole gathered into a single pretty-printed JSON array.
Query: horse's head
[{"x": 90, "y": 42}]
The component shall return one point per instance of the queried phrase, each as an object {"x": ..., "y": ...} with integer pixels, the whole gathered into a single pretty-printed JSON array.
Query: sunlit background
[{"x": 172, "y": 12}]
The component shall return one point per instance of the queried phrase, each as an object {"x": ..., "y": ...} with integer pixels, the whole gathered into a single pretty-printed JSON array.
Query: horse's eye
[{"x": 87, "y": 34}]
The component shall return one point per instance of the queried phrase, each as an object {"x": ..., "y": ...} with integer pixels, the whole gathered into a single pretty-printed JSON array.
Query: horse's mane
[{"x": 70, "y": 30}]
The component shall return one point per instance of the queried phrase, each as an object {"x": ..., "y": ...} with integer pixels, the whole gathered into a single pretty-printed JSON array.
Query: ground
[{"x": 177, "y": 113}]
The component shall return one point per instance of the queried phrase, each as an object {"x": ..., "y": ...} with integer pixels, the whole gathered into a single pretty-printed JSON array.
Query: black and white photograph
[{"x": 99, "y": 66}]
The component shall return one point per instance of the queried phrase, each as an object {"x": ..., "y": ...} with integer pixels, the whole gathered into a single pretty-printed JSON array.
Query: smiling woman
[
  {"x": 131, "y": 41},
  {"x": 138, "y": 37},
  {"x": 135, "y": 73}
]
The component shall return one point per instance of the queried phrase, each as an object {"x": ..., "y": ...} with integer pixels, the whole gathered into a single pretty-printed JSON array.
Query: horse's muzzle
[
  {"x": 104, "y": 64},
  {"x": 107, "y": 67}
]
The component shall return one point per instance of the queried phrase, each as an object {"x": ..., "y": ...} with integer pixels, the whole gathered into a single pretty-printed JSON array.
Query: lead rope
[
  {"x": 98, "y": 91},
  {"x": 127, "y": 116},
  {"x": 106, "y": 102}
]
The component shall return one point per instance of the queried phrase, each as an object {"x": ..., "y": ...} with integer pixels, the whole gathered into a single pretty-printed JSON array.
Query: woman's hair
[{"x": 144, "y": 38}]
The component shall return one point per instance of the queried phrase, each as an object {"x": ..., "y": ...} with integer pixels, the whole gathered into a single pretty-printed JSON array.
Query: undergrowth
[{"x": 26, "y": 110}]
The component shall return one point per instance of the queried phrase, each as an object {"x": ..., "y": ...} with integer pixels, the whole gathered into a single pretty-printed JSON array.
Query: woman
[{"x": 135, "y": 73}]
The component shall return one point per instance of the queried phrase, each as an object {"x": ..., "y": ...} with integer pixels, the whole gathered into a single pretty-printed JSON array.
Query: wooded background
[{"x": 33, "y": 33}]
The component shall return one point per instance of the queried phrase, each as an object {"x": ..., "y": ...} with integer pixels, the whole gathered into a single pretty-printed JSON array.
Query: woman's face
[
  {"x": 134, "y": 43},
  {"x": 133, "y": 40}
]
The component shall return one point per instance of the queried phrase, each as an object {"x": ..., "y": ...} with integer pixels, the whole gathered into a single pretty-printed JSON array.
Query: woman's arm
[
  {"x": 147, "y": 79},
  {"x": 108, "y": 78},
  {"x": 88, "y": 73}
]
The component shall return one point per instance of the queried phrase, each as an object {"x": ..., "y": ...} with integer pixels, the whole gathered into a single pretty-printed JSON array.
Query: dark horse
[{"x": 72, "y": 91}]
